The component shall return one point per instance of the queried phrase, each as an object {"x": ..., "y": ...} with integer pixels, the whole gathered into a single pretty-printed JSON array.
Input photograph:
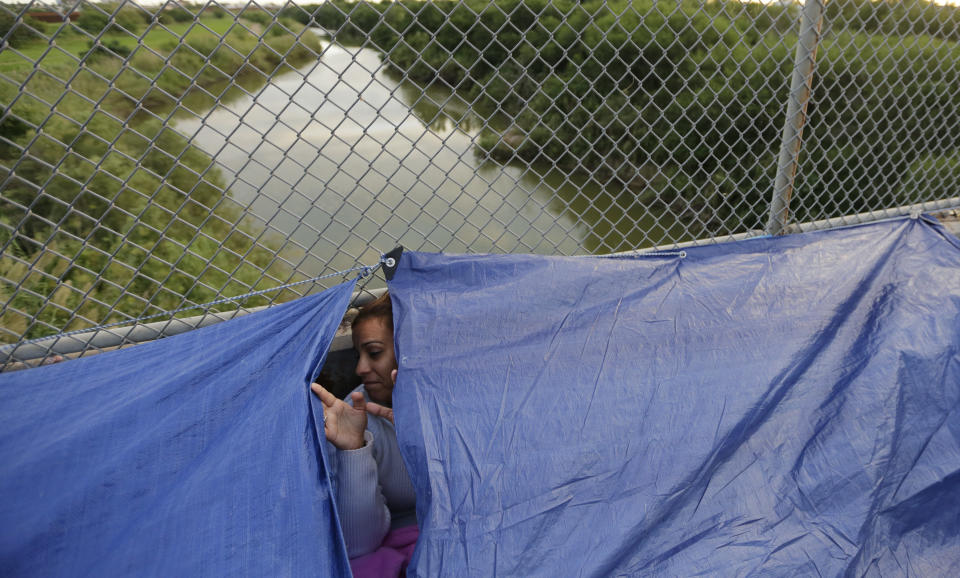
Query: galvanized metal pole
[{"x": 811, "y": 23}]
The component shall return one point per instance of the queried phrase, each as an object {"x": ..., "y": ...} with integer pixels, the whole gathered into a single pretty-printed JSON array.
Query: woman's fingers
[
  {"x": 325, "y": 396},
  {"x": 342, "y": 424},
  {"x": 347, "y": 433},
  {"x": 359, "y": 402},
  {"x": 380, "y": 411}
]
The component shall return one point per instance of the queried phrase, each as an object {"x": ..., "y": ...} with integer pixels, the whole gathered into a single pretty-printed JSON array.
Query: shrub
[
  {"x": 258, "y": 17},
  {"x": 18, "y": 34},
  {"x": 93, "y": 20},
  {"x": 175, "y": 14},
  {"x": 107, "y": 47},
  {"x": 131, "y": 20}
]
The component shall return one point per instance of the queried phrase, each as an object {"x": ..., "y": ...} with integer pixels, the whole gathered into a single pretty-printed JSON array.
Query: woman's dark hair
[{"x": 381, "y": 307}]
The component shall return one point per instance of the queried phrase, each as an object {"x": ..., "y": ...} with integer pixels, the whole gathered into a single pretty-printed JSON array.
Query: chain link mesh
[{"x": 158, "y": 156}]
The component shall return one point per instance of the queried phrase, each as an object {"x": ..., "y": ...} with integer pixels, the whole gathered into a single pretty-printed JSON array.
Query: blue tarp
[
  {"x": 779, "y": 406},
  {"x": 197, "y": 455}
]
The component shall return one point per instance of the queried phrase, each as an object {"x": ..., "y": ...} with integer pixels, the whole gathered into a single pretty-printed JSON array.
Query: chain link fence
[{"x": 155, "y": 157}]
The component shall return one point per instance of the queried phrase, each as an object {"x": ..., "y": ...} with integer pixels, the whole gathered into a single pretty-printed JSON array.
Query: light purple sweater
[{"x": 374, "y": 492}]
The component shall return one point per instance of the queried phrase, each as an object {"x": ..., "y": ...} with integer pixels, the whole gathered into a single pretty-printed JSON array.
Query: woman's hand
[{"x": 343, "y": 425}]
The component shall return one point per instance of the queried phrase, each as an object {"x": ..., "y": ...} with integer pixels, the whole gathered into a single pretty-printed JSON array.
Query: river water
[{"x": 348, "y": 161}]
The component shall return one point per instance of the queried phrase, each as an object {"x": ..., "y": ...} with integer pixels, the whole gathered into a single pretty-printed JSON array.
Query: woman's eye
[{"x": 374, "y": 354}]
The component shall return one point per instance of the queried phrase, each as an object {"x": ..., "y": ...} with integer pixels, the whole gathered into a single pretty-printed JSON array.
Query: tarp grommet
[{"x": 390, "y": 261}]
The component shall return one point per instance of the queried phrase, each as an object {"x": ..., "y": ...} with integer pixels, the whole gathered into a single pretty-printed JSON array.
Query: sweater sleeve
[{"x": 364, "y": 516}]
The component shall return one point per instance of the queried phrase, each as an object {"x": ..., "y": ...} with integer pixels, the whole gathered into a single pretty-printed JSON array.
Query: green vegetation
[
  {"x": 682, "y": 101},
  {"x": 115, "y": 213},
  {"x": 18, "y": 35}
]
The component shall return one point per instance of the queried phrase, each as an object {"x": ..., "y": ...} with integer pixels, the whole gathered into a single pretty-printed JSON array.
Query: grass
[{"x": 64, "y": 48}]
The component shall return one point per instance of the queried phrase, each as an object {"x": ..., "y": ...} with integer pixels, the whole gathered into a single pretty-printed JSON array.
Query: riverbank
[{"x": 107, "y": 212}]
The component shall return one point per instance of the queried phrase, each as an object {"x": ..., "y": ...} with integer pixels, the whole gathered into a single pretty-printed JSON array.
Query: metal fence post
[{"x": 811, "y": 23}]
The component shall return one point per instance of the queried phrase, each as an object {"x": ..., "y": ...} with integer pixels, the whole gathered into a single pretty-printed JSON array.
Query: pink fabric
[{"x": 391, "y": 558}]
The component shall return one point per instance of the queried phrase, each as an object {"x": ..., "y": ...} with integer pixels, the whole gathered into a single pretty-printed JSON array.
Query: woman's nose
[{"x": 362, "y": 367}]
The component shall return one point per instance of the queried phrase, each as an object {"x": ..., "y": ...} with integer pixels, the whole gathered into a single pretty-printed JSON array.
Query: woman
[{"x": 374, "y": 492}]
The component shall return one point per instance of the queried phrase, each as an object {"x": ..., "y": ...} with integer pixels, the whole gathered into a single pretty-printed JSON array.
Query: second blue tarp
[{"x": 779, "y": 406}]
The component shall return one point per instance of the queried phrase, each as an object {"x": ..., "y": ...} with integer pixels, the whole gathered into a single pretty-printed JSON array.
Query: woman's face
[{"x": 373, "y": 340}]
